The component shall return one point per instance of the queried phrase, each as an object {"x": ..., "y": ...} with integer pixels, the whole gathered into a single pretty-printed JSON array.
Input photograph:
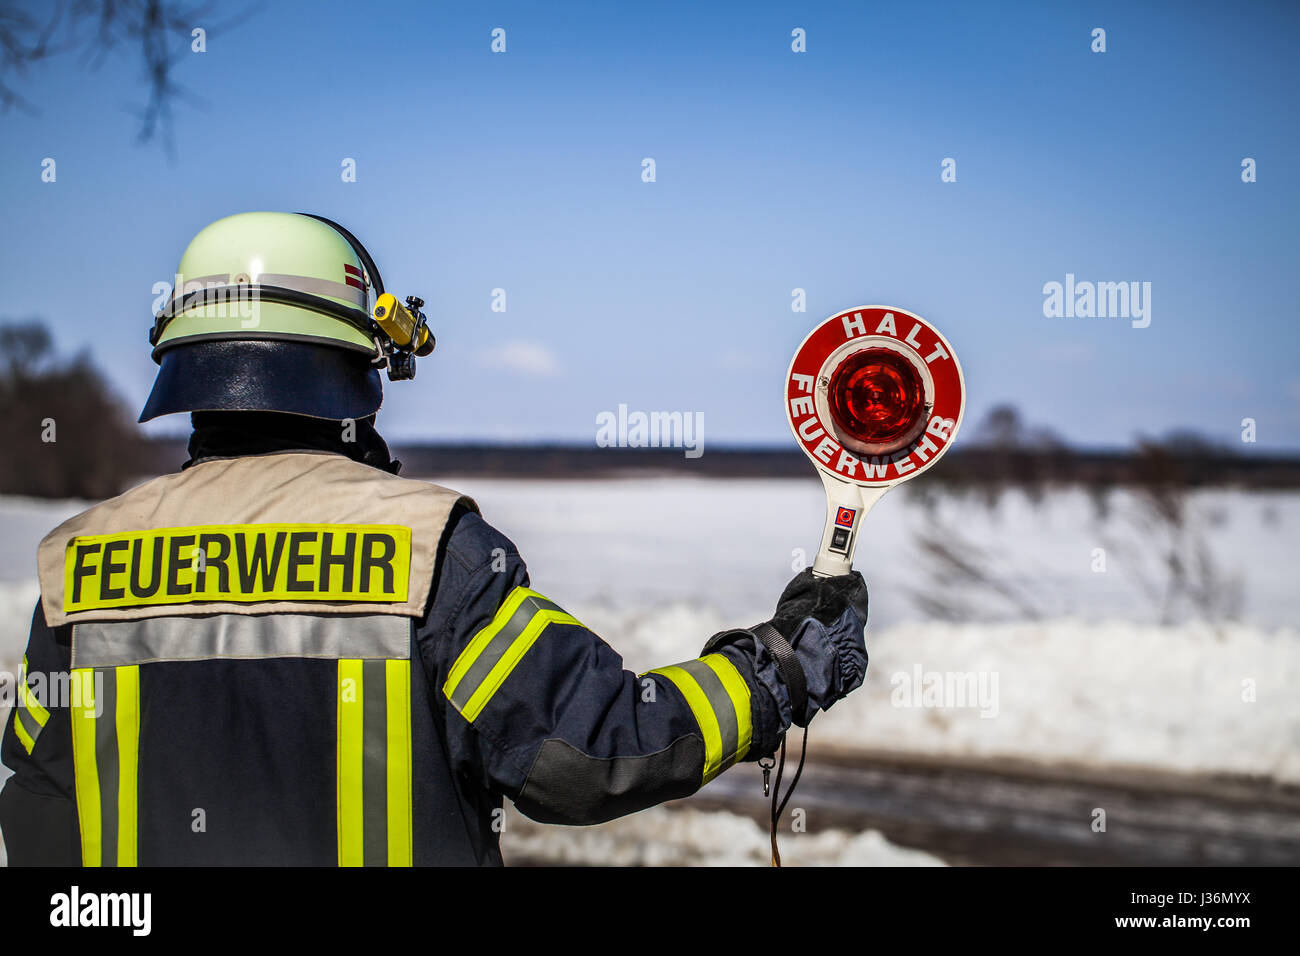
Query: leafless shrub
[
  {"x": 970, "y": 577},
  {"x": 1192, "y": 583}
]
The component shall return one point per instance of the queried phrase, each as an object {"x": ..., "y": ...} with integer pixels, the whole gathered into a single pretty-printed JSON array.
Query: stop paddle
[{"x": 874, "y": 396}]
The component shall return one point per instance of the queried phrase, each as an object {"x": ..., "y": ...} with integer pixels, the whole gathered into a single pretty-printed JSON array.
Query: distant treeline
[
  {"x": 974, "y": 466},
  {"x": 962, "y": 466}
]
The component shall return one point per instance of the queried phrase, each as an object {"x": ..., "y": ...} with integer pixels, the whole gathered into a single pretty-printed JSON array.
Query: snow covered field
[{"x": 1086, "y": 632}]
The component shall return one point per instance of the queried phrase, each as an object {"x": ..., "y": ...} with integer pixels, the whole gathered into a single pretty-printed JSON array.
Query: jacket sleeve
[
  {"x": 38, "y": 803},
  {"x": 537, "y": 708}
]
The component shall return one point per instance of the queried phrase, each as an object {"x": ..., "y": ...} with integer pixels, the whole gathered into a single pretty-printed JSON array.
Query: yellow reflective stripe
[
  {"x": 375, "y": 763},
  {"x": 29, "y": 699},
  {"x": 719, "y": 700},
  {"x": 350, "y": 757},
  {"x": 29, "y": 744},
  {"x": 501, "y": 670},
  {"x": 483, "y": 638},
  {"x": 704, "y": 716},
  {"x": 738, "y": 691},
  {"x": 85, "y": 767},
  {"x": 128, "y": 763},
  {"x": 400, "y": 823}
]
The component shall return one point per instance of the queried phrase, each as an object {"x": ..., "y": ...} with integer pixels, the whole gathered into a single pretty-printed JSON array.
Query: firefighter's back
[{"x": 241, "y": 652}]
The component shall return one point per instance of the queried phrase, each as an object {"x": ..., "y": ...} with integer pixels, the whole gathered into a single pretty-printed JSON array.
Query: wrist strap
[
  {"x": 786, "y": 661},
  {"x": 787, "y": 664}
]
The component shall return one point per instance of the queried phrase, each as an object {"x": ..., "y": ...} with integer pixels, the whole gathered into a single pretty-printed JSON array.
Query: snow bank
[
  {"x": 685, "y": 837},
  {"x": 1191, "y": 698},
  {"x": 17, "y": 599},
  {"x": 23, "y": 522}
]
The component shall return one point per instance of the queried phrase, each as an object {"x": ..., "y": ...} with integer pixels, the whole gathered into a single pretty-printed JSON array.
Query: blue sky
[{"x": 775, "y": 170}]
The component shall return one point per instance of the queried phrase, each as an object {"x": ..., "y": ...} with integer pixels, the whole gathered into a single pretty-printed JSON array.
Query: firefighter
[{"x": 285, "y": 654}]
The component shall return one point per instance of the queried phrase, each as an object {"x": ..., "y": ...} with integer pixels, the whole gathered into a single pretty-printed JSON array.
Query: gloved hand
[{"x": 824, "y": 620}]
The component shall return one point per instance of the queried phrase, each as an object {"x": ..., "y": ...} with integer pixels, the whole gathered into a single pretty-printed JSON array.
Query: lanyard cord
[
  {"x": 779, "y": 808},
  {"x": 796, "y": 684}
]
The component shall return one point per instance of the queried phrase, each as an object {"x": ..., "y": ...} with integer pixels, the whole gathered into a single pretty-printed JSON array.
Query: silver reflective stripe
[
  {"x": 314, "y": 286},
  {"x": 106, "y": 761},
  {"x": 308, "y": 284},
  {"x": 374, "y": 773},
  {"x": 240, "y": 636},
  {"x": 28, "y": 721},
  {"x": 724, "y": 709}
]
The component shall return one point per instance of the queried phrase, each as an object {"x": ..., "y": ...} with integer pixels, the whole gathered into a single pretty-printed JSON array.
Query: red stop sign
[{"x": 874, "y": 395}]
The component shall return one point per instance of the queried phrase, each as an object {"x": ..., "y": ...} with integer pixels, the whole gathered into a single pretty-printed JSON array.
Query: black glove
[{"x": 823, "y": 619}]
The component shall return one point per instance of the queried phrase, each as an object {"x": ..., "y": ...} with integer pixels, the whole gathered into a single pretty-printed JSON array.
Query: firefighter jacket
[{"x": 297, "y": 659}]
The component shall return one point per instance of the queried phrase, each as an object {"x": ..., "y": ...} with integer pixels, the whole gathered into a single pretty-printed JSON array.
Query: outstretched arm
[{"x": 538, "y": 708}]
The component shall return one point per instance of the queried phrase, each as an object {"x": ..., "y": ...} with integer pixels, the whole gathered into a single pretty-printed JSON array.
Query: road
[{"x": 971, "y": 812}]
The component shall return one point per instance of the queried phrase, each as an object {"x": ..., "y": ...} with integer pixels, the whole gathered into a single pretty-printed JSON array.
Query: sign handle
[{"x": 846, "y": 505}]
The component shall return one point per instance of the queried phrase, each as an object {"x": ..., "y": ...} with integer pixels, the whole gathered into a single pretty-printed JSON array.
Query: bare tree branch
[{"x": 161, "y": 30}]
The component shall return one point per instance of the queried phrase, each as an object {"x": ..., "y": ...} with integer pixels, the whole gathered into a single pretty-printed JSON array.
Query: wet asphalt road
[{"x": 997, "y": 814}]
